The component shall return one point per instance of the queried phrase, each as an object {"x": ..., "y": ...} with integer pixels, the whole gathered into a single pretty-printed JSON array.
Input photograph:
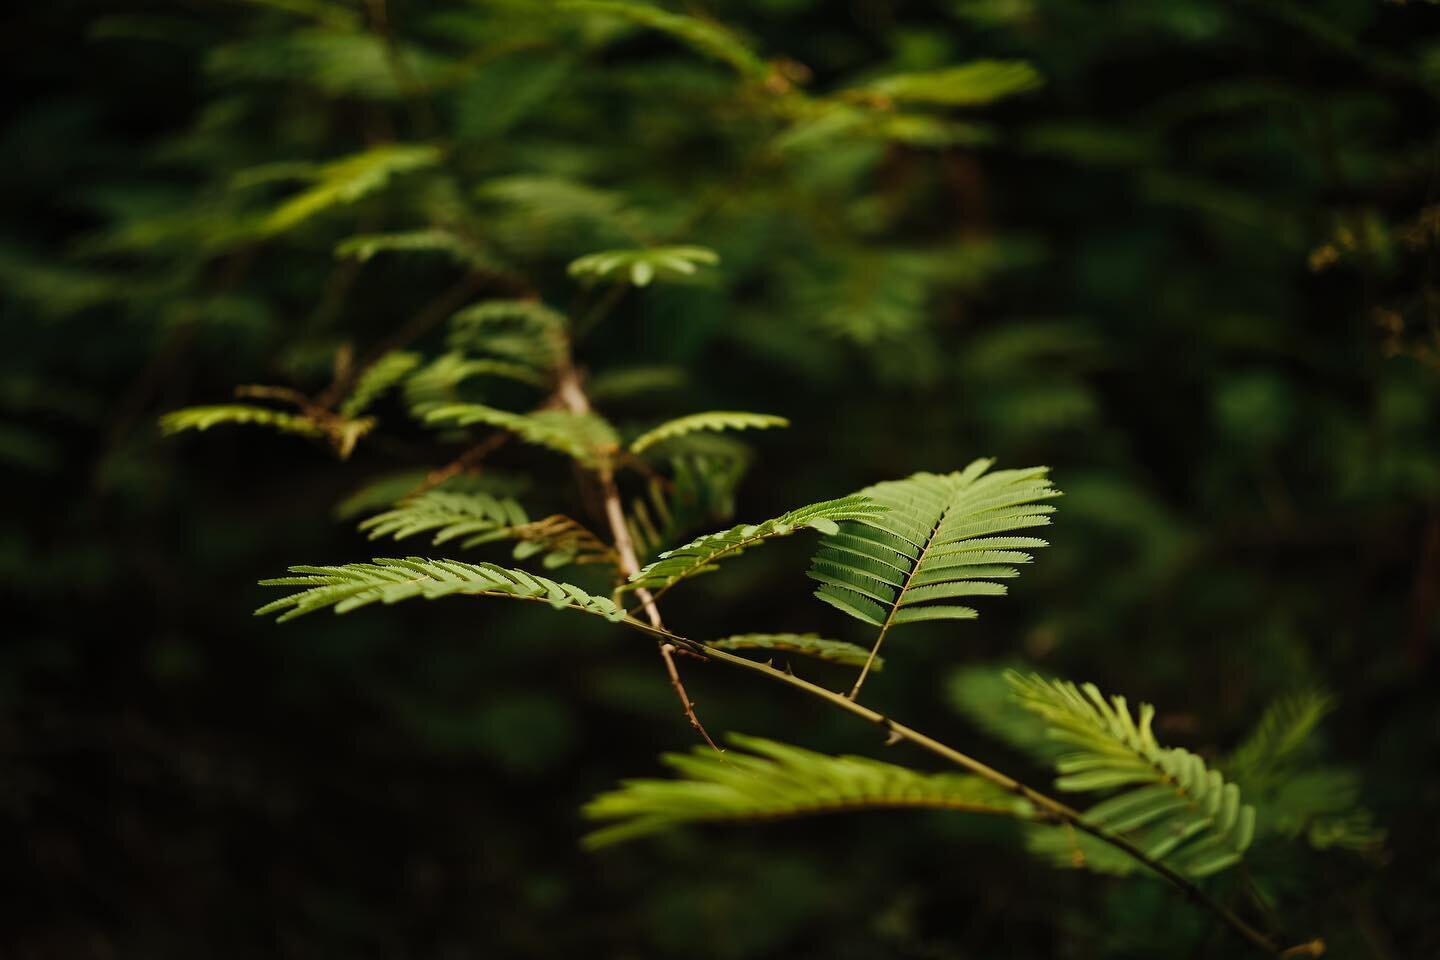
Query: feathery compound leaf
[
  {"x": 436, "y": 384},
  {"x": 936, "y": 542},
  {"x": 972, "y": 84},
  {"x": 482, "y": 518},
  {"x": 701, "y": 554},
  {"x": 777, "y": 780},
  {"x": 584, "y": 437},
  {"x": 705, "y": 36},
  {"x": 364, "y": 247},
  {"x": 701, "y": 493},
  {"x": 349, "y": 179},
  {"x": 808, "y": 644},
  {"x": 642, "y": 266},
  {"x": 390, "y": 580},
  {"x": 479, "y": 517},
  {"x": 383, "y": 374},
  {"x": 1173, "y": 807},
  {"x": 203, "y": 418},
  {"x": 1283, "y": 732},
  {"x": 522, "y": 331},
  {"x": 714, "y": 420}
]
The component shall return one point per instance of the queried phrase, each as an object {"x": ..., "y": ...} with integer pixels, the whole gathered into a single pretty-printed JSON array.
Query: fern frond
[
  {"x": 583, "y": 437},
  {"x": 349, "y": 179},
  {"x": 523, "y": 331},
  {"x": 1173, "y": 807},
  {"x": 971, "y": 84},
  {"x": 478, "y": 517},
  {"x": 205, "y": 417},
  {"x": 563, "y": 540},
  {"x": 1283, "y": 732},
  {"x": 705, "y": 36},
  {"x": 713, "y": 420},
  {"x": 436, "y": 383},
  {"x": 937, "y": 541},
  {"x": 701, "y": 492},
  {"x": 643, "y": 266},
  {"x": 985, "y": 696},
  {"x": 378, "y": 379},
  {"x": 391, "y": 580},
  {"x": 1294, "y": 794},
  {"x": 626, "y": 382},
  {"x": 773, "y": 780},
  {"x": 365, "y": 247},
  {"x": 808, "y": 644},
  {"x": 701, "y": 554}
]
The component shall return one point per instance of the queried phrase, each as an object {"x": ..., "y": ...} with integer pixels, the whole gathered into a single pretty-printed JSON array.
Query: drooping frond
[
  {"x": 390, "y": 580},
  {"x": 461, "y": 250},
  {"x": 700, "y": 493},
  {"x": 983, "y": 693},
  {"x": 807, "y": 644},
  {"x": 625, "y": 382},
  {"x": 584, "y": 437},
  {"x": 714, "y": 420},
  {"x": 937, "y": 541},
  {"x": 1171, "y": 806},
  {"x": 1294, "y": 792},
  {"x": 205, "y": 417},
  {"x": 777, "y": 780},
  {"x": 436, "y": 383},
  {"x": 563, "y": 540},
  {"x": 348, "y": 179},
  {"x": 701, "y": 554},
  {"x": 971, "y": 84},
  {"x": 705, "y": 36},
  {"x": 643, "y": 266},
  {"x": 377, "y": 380},
  {"x": 478, "y": 517},
  {"x": 1284, "y": 731},
  {"x": 522, "y": 331},
  {"x": 387, "y": 489}
]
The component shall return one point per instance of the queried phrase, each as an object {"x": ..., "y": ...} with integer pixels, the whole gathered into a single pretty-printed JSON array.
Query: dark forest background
[{"x": 1194, "y": 272}]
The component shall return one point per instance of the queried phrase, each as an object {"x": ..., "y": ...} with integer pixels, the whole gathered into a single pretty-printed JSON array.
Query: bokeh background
[{"x": 1194, "y": 272}]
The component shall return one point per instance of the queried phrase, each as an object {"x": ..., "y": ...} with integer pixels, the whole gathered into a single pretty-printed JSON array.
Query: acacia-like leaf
[
  {"x": 772, "y": 780},
  {"x": 938, "y": 541},
  {"x": 701, "y": 554}
]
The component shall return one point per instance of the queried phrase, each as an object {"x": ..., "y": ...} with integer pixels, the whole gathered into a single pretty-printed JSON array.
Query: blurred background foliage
[{"x": 1188, "y": 261}]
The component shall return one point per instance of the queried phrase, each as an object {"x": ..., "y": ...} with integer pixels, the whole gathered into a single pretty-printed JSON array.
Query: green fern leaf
[
  {"x": 972, "y": 84},
  {"x": 703, "y": 553},
  {"x": 1171, "y": 806},
  {"x": 701, "y": 492},
  {"x": 205, "y": 417},
  {"x": 365, "y": 247},
  {"x": 479, "y": 517},
  {"x": 379, "y": 378},
  {"x": 938, "y": 541},
  {"x": 1284, "y": 731},
  {"x": 583, "y": 437},
  {"x": 349, "y": 179},
  {"x": 777, "y": 780},
  {"x": 436, "y": 384},
  {"x": 808, "y": 644},
  {"x": 391, "y": 580},
  {"x": 705, "y": 36},
  {"x": 643, "y": 266},
  {"x": 522, "y": 331},
  {"x": 715, "y": 420}
]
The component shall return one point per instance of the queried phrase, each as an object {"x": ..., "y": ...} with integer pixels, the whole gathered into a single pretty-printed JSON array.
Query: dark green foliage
[{"x": 1187, "y": 260}]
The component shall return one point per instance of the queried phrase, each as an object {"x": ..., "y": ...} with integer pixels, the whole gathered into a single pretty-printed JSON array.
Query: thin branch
[
  {"x": 572, "y": 396},
  {"x": 1048, "y": 806}
]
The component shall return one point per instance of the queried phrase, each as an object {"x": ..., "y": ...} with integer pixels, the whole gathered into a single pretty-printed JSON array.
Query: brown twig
[{"x": 571, "y": 395}]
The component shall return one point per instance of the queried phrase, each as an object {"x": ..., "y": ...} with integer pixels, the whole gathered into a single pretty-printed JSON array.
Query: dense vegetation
[{"x": 500, "y": 280}]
